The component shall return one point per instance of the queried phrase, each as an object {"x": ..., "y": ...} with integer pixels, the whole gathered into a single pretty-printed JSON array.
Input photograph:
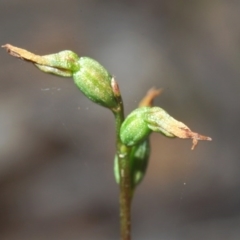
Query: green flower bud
[
  {"x": 134, "y": 129},
  {"x": 142, "y": 121},
  {"x": 138, "y": 163},
  {"x": 89, "y": 76},
  {"x": 95, "y": 82},
  {"x": 159, "y": 120}
]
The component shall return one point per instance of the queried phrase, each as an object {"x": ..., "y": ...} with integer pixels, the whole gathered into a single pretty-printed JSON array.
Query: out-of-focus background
[{"x": 57, "y": 147}]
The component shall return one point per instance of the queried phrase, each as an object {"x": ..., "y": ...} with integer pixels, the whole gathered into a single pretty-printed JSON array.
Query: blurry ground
[{"x": 57, "y": 148}]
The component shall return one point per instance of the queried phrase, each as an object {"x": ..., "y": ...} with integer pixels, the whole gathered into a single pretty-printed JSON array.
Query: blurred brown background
[{"x": 57, "y": 148}]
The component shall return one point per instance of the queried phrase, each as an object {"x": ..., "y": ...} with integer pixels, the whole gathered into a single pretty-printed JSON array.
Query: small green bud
[
  {"x": 142, "y": 121},
  {"x": 138, "y": 158},
  {"x": 89, "y": 76},
  {"x": 159, "y": 120},
  {"x": 95, "y": 82},
  {"x": 134, "y": 129}
]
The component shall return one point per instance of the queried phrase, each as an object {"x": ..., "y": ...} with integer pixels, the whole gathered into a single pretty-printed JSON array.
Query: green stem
[{"x": 125, "y": 178}]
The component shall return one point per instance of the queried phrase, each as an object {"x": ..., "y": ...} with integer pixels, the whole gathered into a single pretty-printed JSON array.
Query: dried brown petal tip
[
  {"x": 196, "y": 137},
  {"x": 24, "y": 54},
  {"x": 10, "y": 50},
  {"x": 182, "y": 131},
  {"x": 147, "y": 100},
  {"x": 159, "y": 120}
]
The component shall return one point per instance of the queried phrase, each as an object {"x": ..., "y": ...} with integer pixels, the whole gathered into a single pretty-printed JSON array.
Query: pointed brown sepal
[
  {"x": 24, "y": 54},
  {"x": 151, "y": 94}
]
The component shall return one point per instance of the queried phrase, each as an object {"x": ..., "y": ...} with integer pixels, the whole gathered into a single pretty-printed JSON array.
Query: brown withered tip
[
  {"x": 10, "y": 49},
  {"x": 7, "y": 47},
  {"x": 180, "y": 130},
  {"x": 24, "y": 54},
  {"x": 151, "y": 94},
  {"x": 196, "y": 137}
]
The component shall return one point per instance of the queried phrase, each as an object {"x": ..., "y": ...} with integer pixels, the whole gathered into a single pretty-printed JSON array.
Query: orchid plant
[{"x": 132, "y": 132}]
